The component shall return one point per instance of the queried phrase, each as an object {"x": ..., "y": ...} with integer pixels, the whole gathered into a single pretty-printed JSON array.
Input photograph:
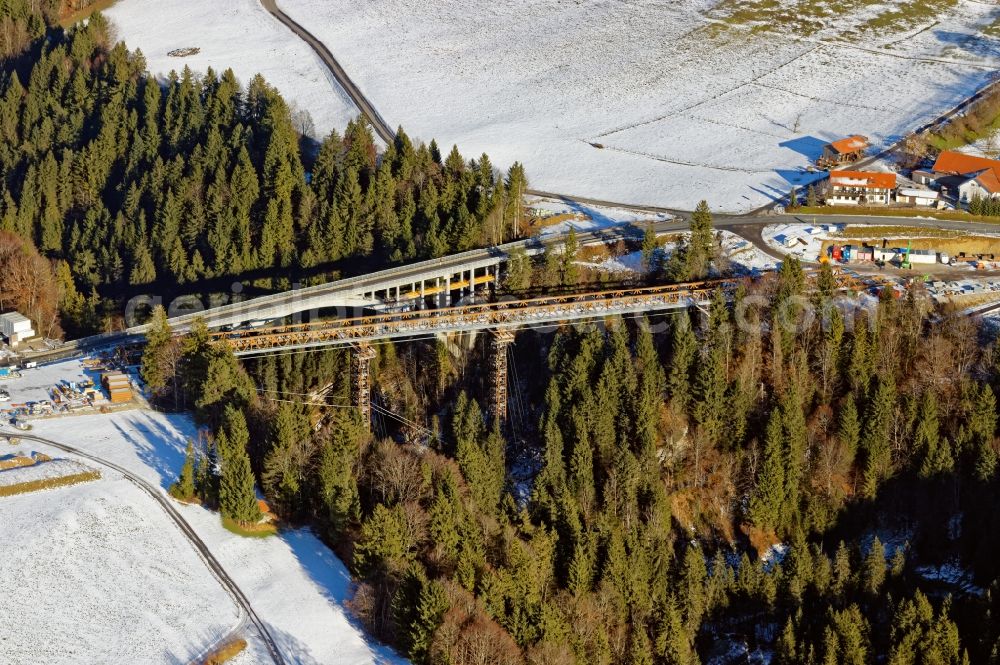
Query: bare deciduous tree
[{"x": 28, "y": 284}]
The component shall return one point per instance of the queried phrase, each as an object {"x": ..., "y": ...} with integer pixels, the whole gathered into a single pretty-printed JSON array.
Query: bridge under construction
[{"x": 501, "y": 318}]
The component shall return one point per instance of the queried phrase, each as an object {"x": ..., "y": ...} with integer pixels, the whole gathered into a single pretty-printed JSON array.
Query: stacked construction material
[{"x": 118, "y": 386}]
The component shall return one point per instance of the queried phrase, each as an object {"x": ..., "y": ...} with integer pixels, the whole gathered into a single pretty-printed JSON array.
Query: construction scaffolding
[
  {"x": 499, "y": 341},
  {"x": 507, "y": 314},
  {"x": 503, "y": 314},
  {"x": 361, "y": 363}
]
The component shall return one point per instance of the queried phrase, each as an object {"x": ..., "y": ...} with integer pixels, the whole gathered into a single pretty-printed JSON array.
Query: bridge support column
[
  {"x": 500, "y": 340},
  {"x": 423, "y": 301},
  {"x": 447, "y": 291},
  {"x": 361, "y": 363}
]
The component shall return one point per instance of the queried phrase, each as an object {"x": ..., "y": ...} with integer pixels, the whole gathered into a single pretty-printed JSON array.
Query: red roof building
[
  {"x": 860, "y": 188},
  {"x": 966, "y": 177},
  {"x": 950, "y": 162},
  {"x": 843, "y": 151}
]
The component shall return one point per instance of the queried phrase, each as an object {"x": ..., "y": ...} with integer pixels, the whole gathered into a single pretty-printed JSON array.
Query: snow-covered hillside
[
  {"x": 97, "y": 573},
  {"x": 144, "y": 595},
  {"x": 294, "y": 582},
  {"x": 648, "y": 102},
  {"x": 235, "y": 34}
]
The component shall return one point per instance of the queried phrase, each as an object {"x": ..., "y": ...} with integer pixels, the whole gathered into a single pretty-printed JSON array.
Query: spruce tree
[
  {"x": 237, "y": 498},
  {"x": 874, "y": 568},
  {"x": 683, "y": 349},
  {"x": 154, "y": 368},
  {"x": 875, "y": 442},
  {"x": 568, "y": 270},
  {"x": 768, "y": 497},
  {"x": 184, "y": 488},
  {"x": 650, "y": 245},
  {"x": 699, "y": 251},
  {"x": 849, "y": 430}
]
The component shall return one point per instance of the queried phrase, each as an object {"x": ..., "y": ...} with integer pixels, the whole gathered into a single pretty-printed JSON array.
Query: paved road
[
  {"x": 877, "y": 220},
  {"x": 201, "y": 548},
  {"x": 381, "y": 127}
]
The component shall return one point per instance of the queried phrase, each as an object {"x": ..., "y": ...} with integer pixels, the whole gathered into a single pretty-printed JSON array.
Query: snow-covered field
[
  {"x": 743, "y": 255},
  {"x": 236, "y": 34},
  {"x": 649, "y": 102},
  {"x": 57, "y": 468},
  {"x": 589, "y": 218},
  {"x": 97, "y": 573},
  {"x": 644, "y": 103},
  {"x": 294, "y": 582}
]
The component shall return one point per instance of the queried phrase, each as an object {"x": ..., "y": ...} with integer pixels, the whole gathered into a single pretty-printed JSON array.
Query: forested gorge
[
  {"x": 628, "y": 511},
  {"x": 124, "y": 180},
  {"x": 622, "y": 513}
]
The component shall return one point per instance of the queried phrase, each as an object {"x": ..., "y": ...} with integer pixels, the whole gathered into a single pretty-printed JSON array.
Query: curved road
[
  {"x": 382, "y": 128},
  {"x": 200, "y": 547}
]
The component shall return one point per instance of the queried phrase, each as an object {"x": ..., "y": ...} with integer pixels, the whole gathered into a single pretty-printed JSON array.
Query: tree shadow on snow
[
  {"x": 158, "y": 446},
  {"x": 333, "y": 579}
]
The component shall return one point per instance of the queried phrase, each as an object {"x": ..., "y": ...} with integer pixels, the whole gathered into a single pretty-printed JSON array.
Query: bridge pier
[
  {"x": 500, "y": 340},
  {"x": 361, "y": 363}
]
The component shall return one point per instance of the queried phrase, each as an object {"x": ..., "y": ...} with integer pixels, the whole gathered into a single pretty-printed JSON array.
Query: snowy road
[
  {"x": 382, "y": 128},
  {"x": 211, "y": 562}
]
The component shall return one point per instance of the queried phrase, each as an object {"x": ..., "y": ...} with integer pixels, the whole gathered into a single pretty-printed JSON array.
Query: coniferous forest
[
  {"x": 127, "y": 181},
  {"x": 710, "y": 486},
  {"x": 677, "y": 489}
]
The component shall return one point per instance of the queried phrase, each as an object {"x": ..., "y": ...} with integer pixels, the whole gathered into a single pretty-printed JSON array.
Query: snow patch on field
[
  {"x": 774, "y": 555},
  {"x": 57, "y": 468},
  {"x": 743, "y": 256},
  {"x": 639, "y": 102},
  {"x": 99, "y": 574},
  {"x": 626, "y": 263},
  {"x": 746, "y": 256},
  {"x": 236, "y": 34},
  {"x": 587, "y": 217},
  {"x": 803, "y": 241}
]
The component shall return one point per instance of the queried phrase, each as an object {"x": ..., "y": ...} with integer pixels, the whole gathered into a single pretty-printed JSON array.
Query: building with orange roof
[
  {"x": 860, "y": 188},
  {"x": 843, "y": 151},
  {"x": 966, "y": 177}
]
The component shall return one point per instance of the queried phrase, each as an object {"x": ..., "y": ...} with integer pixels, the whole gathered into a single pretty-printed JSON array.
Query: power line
[
  {"x": 283, "y": 392},
  {"x": 518, "y": 397},
  {"x": 309, "y": 403},
  {"x": 403, "y": 420},
  {"x": 335, "y": 406}
]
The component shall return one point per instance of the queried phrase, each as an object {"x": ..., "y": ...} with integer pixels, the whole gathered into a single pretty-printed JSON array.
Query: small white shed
[
  {"x": 16, "y": 327},
  {"x": 917, "y": 196}
]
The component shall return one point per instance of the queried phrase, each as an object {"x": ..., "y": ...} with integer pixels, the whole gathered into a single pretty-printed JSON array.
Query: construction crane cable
[
  {"x": 519, "y": 397},
  {"x": 403, "y": 420}
]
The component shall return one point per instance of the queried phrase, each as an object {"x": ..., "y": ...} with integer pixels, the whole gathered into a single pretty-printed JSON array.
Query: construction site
[{"x": 97, "y": 384}]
